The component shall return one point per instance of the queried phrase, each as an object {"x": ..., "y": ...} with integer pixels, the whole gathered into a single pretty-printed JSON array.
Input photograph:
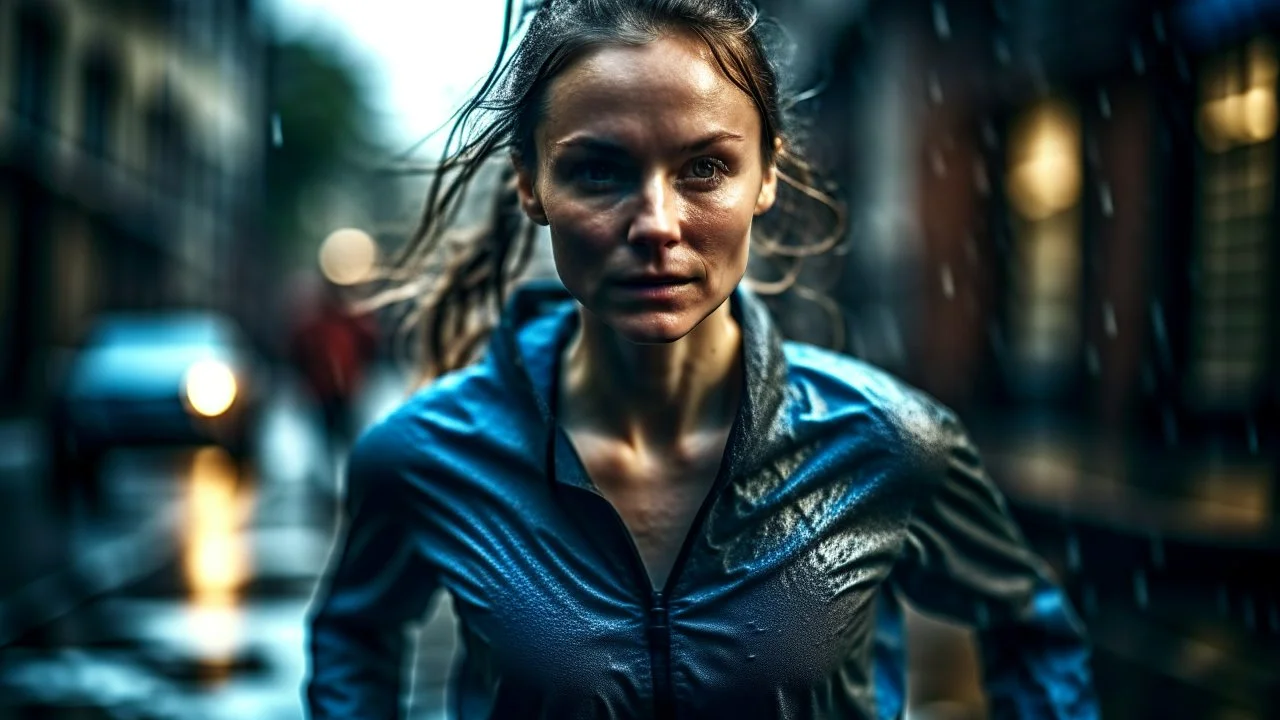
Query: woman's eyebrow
[{"x": 604, "y": 145}]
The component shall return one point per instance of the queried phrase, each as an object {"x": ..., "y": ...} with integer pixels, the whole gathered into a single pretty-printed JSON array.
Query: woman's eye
[
  {"x": 707, "y": 169},
  {"x": 598, "y": 173}
]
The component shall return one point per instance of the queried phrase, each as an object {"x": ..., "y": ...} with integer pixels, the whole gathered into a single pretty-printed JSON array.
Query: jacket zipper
[{"x": 660, "y": 656}]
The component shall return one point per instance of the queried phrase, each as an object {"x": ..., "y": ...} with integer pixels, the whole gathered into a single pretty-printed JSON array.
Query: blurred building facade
[
  {"x": 1066, "y": 207},
  {"x": 132, "y": 148}
]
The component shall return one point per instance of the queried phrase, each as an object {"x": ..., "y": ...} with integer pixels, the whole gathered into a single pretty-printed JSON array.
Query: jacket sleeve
[
  {"x": 966, "y": 560},
  {"x": 376, "y": 584}
]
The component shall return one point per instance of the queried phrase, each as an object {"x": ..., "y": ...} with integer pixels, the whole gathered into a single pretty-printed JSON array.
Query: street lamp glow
[
  {"x": 211, "y": 387},
  {"x": 348, "y": 256}
]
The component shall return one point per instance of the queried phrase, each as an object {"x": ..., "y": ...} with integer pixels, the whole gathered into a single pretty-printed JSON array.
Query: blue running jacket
[{"x": 842, "y": 491}]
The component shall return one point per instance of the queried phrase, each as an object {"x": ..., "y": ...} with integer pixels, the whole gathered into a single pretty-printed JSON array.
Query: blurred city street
[
  {"x": 1059, "y": 218},
  {"x": 185, "y": 597}
]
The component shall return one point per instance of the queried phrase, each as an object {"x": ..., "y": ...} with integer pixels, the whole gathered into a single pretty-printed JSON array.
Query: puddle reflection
[{"x": 216, "y": 560}]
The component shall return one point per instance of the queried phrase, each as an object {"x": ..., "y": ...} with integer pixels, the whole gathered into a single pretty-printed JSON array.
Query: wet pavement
[{"x": 186, "y": 598}]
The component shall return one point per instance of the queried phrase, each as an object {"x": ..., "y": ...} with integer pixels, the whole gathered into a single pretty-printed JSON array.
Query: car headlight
[{"x": 210, "y": 387}]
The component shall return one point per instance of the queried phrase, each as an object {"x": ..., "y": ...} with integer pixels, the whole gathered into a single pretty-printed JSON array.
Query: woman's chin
[{"x": 652, "y": 328}]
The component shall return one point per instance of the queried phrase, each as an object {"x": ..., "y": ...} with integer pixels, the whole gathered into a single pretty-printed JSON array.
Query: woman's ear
[
  {"x": 769, "y": 183},
  {"x": 527, "y": 190}
]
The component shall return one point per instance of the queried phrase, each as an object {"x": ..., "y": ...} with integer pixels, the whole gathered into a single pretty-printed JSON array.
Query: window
[
  {"x": 98, "y": 108},
  {"x": 34, "y": 89},
  {"x": 1237, "y": 126}
]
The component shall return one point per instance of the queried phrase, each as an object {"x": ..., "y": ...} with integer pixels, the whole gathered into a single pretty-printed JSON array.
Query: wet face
[{"x": 649, "y": 173}]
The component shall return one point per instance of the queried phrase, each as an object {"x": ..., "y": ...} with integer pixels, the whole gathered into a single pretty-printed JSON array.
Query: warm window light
[
  {"x": 1044, "y": 175},
  {"x": 1234, "y": 116},
  {"x": 347, "y": 256}
]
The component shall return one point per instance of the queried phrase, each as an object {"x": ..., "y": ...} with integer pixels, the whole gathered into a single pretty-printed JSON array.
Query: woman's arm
[
  {"x": 966, "y": 560},
  {"x": 376, "y": 584}
]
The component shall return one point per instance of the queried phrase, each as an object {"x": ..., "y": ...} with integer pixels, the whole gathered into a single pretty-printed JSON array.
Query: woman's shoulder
[
  {"x": 457, "y": 413},
  {"x": 843, "y": 388}
]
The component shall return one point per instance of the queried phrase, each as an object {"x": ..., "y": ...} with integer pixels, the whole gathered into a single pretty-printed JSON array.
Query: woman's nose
[{"x": 656, "y": 222}]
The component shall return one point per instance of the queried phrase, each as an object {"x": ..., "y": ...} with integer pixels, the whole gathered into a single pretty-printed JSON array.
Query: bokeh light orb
[
  {"x": 211, "y": 387},
  {"x": 348, "y": 256}
]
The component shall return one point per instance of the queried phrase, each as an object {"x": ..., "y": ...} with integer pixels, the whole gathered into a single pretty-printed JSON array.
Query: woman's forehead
[{"x": 670, "y": 88}]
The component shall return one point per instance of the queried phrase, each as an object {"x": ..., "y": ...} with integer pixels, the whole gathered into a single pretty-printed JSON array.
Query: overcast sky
[{"x": 421, "y": 56}]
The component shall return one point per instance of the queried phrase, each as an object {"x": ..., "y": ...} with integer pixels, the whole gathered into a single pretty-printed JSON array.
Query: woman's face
[{"x": 649, "y": 172}]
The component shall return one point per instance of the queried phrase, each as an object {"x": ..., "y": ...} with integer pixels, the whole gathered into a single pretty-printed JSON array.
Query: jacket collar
[{"x": 541, "y": 317}]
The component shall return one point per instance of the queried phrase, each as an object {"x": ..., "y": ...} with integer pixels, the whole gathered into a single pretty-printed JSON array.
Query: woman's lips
[{"x": 654, "y": 289}]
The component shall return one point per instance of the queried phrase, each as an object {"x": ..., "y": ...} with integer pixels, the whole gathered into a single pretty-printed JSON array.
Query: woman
[{"x": 643, "y": 502}]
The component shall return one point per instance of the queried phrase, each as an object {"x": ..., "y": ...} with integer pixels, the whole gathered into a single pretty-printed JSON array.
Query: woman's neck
[{"x": 653, "y": 396}]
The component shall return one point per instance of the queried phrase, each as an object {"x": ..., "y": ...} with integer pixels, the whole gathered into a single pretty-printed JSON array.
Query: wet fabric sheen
[{"x": 842, "y": 492}]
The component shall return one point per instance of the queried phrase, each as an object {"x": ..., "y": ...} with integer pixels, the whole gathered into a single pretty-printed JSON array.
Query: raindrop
[
  {"x": 1135, "y": 53},
  {"x": 1148, "y": 379},
  {"x": 1253, "y": 437},
  {"x": 1170, "y": 426},
  {"x": 941, "y": 23},
  {"x": 948, "y": 282},
  {"x": 1140, "y": 588},
  {"x": 971, "y": 249},
  {"x": 1224, "y": 606},
  {"x": 1109, "y": 318},
  {"x": 989, "y": 136},
  {"x": 1073, "y": 552},
  {"x": 982, "y": 615},
  {"x": 1250, "y": 613},
  {"x": 1092, "y": 361},
  {"x": 1001, "y": 12},
  {"x": 1090, "y": 599},
  {"x": 1157, "y": 551},
  {"x": 935, "y": 89},
  {"x": 1104, "y": 103},
  {"x": 996, "y": 337},
  {"x": 1092, "y": 152},
  {"x": 752, "y": 656},
  {"x": 1157, "y": 26},
  {"x": 1162, "y": 338},
  {"x": 1184, "y": 69},
  {"x": 980, "y": 178},
  {"x": 1002, "y": 51},
  {"x": 938, "y": 162},
  {"x": 1104, "y": 196},
  {"x": 277, "y": 134}
]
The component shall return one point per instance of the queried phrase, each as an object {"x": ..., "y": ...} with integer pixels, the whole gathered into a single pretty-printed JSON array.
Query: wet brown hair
[{"x": 456, "y": 278}]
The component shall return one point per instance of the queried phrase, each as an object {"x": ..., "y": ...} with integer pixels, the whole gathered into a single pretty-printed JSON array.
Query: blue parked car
[{"x": 185, "y": 378}]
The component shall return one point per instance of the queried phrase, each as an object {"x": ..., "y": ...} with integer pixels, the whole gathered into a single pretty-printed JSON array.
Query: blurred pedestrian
[
  {"x": 644, "y": 502},
  {"x": 332, "y": 348}
]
